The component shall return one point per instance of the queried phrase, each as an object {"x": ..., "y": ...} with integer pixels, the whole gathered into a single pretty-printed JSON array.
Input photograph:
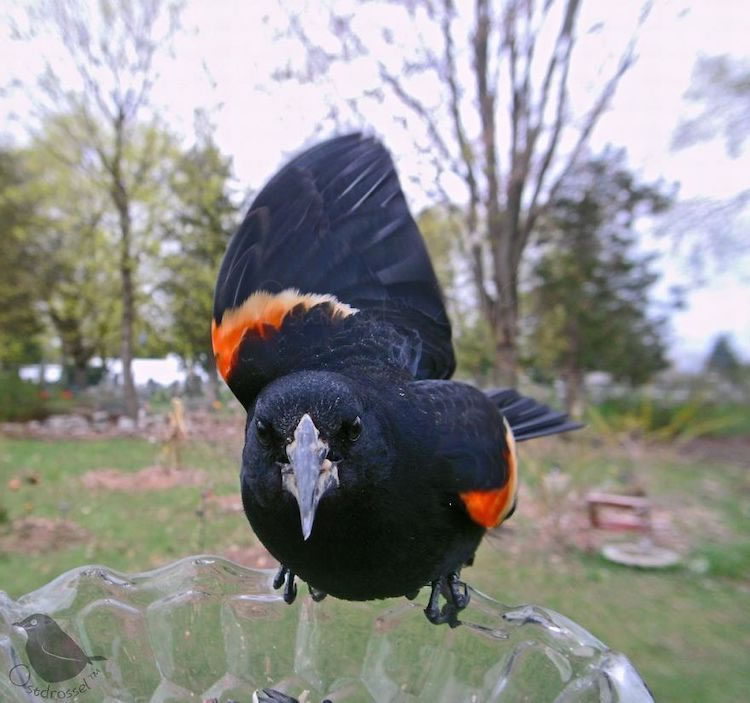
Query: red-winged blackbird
[{"x": 364, "y": 472}]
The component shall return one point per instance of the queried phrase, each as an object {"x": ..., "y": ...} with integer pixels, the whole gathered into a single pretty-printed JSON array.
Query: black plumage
[{"x": 364, "y": 472}]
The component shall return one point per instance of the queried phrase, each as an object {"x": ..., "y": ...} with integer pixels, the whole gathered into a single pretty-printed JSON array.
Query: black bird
[
  {"x": 365, "y": 473},
  {"x": 271, "y": 695},
  {"x": 52, "y": 654}
]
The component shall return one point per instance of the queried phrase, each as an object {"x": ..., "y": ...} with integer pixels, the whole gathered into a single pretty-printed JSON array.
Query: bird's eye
[
  {"x": 353, "y": 429},
  {"x": 33, "y": 622},
  {"x": 264, "y": 432}
]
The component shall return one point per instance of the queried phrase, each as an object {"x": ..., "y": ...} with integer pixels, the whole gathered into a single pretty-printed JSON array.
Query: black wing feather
[
  {"x": 528, "y": 418},
  {"x": 335, "y": 221}
]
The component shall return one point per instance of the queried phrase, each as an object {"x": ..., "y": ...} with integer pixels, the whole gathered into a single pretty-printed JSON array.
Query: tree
[
  {"x": 590, "y": 302},
  {"x": 721, "y": 86},
  {"x": 112, "y": 46},
  {"x": 20, "y": 323},
  {"x": 205, "y": 218},
  {"x": 714, "y": 231},
  {"x": 723, "y": 360},
  {"x": 479, "y": 79},
  {"x": 71, "y": 245},
  {"x": 472, "y": 337}
]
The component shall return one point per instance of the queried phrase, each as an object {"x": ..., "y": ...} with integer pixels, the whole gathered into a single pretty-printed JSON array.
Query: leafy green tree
[
  {"x": 112, "y": 46},
  {"x": 73, "y": 248},
  {"x": 20, "y": 323},
  {"x": 589, "y": 307},
  {"x": 724, "y": 360},
  {"x": 205, "y": 217}
]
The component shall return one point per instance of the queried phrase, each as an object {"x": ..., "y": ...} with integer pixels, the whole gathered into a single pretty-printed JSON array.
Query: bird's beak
[{"x": 309, "y": 473}]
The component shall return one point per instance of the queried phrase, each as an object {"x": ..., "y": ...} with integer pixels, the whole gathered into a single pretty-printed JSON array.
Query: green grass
[
  {"x": 687, "y": 629},
  {"x": 129, "y": 531},
  {"x": 687, "y": 634}
]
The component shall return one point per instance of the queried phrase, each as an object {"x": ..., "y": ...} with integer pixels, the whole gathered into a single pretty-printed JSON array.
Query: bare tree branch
[{"x": 501, "y": 47}]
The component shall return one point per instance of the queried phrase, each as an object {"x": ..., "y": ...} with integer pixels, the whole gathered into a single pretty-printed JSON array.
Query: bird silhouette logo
[{"x": 53, "y": 654}]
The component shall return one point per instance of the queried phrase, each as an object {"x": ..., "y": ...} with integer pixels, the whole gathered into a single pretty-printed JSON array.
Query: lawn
[{"x": 687, "y": 629}]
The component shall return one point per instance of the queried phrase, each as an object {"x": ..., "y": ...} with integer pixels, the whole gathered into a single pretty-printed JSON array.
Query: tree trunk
[
  {"x": 504, "y": 320},
  {"x": 42, "y": 373},
  {"x": 213, "y": 383},
  {"x": 573, "y": 388},
  {"x": 128, "y": 303},
  {"x": 79, "y": 377},
  {"x": 122, "y": 203},
  {"x": 128, "y": 315},
  {"x": 80, "y": 356},
  {"x": 506, "y": 351}
]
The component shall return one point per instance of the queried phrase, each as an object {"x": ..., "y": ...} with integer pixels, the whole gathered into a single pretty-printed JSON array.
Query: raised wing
[{"x": 330, "y": 233}]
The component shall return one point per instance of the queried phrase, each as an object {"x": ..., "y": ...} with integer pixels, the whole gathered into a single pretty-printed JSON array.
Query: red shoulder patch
[
  {"x": 489, "y": 508},
  {"x": 262, "y": 314}
]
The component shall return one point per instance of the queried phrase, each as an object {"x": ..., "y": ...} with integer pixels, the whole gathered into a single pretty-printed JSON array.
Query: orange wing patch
[
  {"x": 489, "y": 508},
  {"x": 261, "y": 314}
]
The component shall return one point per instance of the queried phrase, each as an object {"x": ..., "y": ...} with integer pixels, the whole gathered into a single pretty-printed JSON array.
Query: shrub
[
  {"x": 640, "y": 415},
  {"x": 20, "y": 400}
]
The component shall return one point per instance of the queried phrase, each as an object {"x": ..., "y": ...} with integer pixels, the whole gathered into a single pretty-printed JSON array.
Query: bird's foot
[
  {"x": 456, "y": 595},
  {"x": 284, "y": 577},
  {"x": 315, "y": 594}
]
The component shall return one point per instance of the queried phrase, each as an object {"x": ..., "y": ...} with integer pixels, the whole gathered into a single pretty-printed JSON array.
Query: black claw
[
  {"x": 457, "y": 596},
  {"x": 452, "y": 617},
  {"x": 432, "y": 611},
  {"x": 459, "y": 592},
  {"x": 290, "y": 590},
  {"x": 448, "y": 615},
  {"x": 280, "y": 577},
  {"x": 285, "y": 576},
  {"x": 315, "y": 594}
]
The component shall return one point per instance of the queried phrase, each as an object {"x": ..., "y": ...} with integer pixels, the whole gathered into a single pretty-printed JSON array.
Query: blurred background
[{"x": 580, "y": 173}]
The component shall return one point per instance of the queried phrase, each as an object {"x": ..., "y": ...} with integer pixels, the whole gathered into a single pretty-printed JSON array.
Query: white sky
[{"x": 224, "y": 58}]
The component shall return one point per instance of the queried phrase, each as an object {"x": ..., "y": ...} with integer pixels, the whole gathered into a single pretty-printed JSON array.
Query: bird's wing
[
  {"x": 329, "y": 238},
  {"x": 527, "y": 417},
  {"x": 475, "y": 448},
  {"x": 75, "y": 655}
]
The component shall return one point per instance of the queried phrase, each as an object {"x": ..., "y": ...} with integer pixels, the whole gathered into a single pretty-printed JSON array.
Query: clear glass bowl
[{"x": 206, "y": 629}]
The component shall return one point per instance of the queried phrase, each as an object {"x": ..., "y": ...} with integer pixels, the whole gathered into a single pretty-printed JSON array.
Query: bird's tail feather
[
  {"x": 96, "y": 658},
  {"x": 528, "y": 418}
]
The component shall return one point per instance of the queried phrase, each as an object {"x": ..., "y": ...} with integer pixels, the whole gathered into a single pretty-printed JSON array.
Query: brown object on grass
[
  {"x": 41, "y": 534},
  {"x": 609, "y": 511},
  {"x": 151, "y": 478}
]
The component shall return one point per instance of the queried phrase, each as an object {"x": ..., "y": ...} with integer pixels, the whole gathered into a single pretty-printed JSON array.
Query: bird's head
[
  {"x": 313, "y": 432},
  {"x": 35, "y": 623}
]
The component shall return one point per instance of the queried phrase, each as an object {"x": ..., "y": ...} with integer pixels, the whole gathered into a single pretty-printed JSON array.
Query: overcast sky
[{"x": 224, "y": 58}]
